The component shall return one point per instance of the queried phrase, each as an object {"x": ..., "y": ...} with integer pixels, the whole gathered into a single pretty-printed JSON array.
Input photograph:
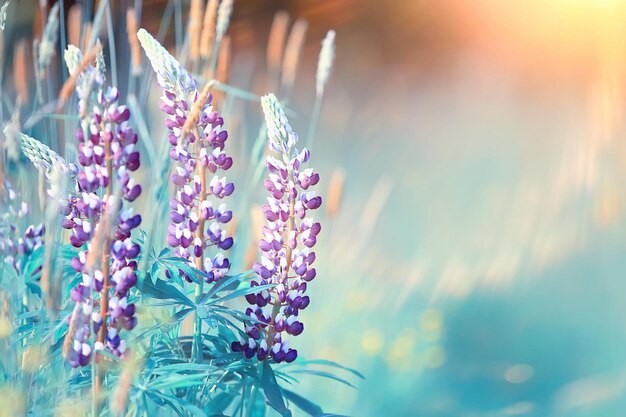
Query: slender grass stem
[
  {"x": 111, "y": 35},
  {"x": 315, "y": 118},
  {"x": 104, "y": 293},
  {"x": 251, "y": 400},
  {"x": 64, "y": 70}
]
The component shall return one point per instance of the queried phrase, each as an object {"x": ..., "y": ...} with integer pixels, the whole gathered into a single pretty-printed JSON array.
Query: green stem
[
  {"x": 197, "y": 328},
  {"x": 315, "y": 117}
]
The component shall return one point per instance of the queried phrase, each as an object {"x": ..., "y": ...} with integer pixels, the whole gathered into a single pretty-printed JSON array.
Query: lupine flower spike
[
  {"x": 197, "y": 145},
  {"x": 107, "y": 157},
  {"x": 15, "y": 244},
  {"x": 286, "y": 247}
]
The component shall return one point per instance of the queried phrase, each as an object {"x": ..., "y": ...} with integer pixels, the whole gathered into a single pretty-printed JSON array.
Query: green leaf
[
  {"x": 223, "y": 284},
  {"x": 163, "y": 291},
  {"x": 302, "y": 403},
  {"x": 272, "y": 391},
  {"x": 324, "y": 375},
  {"x": 332, "y": 364},
  {"x": 176, "y": 380},
  {"x": 180, "y": 315},
  {"x": 242, "y": 292}
]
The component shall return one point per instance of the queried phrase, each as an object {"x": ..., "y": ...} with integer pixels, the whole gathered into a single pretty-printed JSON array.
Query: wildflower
[
  {"x": 106, "y": 153},
  {"x": 41, "y": 155},
  {"x": 286, "y": 246},
  {"x": 15, "y": 244},
  {"x": 197, "y": 145}
]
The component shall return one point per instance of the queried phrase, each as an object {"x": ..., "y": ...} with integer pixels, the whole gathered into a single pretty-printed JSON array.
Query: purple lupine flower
[
  {"x": 286, "y": 246},
  {"x": 197, "y": 216},
  {"x": 16, "y": 244},
  {"x": 105, "y": 144}
]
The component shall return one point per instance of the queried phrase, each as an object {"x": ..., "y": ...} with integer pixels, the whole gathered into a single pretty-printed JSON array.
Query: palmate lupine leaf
[
  {"x": 166, "y": 261},
  {"x": 228, "y": 282},
  {"x": 163, "y": 291}
]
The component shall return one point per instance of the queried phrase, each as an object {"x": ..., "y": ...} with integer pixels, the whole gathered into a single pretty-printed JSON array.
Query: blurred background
[{"x": 474, "y": 155}]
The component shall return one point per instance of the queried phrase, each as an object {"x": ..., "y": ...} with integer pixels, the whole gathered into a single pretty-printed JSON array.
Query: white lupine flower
[
  {"x": 279, "y": 132},
  {"x": 171, "y": 75},
  {"x": 39, "y": 154}
]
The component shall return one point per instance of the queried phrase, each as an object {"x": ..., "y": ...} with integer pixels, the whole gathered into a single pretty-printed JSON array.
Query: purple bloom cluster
[
  {"x": 106, "y": 149},
  {"x": 286, "y": 247},
  {"x": 14, "y": 244},
  {"x": 197, "y": 216}
]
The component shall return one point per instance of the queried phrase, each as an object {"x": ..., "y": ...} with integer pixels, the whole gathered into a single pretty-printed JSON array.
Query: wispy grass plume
[
  {"x": 3, "y": 15},
  {"x": 291, "y": 59},
  {"x": 48, "y": 43}
]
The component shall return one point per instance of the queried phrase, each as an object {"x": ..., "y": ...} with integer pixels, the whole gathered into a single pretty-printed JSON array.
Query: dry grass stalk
[
  {"x": 120, "y": 395},
  {"x": 71, "y": 331},
  {"x": 133, "y": 41},
  {"x": 20, "y": 70},
  {"x": 223, "y": 66},
  {"x": 224, "y": 12},
  {"x": 87, "y": 29},
  {"x": 208, "y": 29},
  {"x": 276, "y": 41},
  {"x": 195, "y": 26},
  {"x": 70, "y": 83},
  {"x": 256, "y": 226},
  {"x": 335, "y": 191},
  {"x": 1, "y": 49},
  {"x": 74, "y": 19},
  {"x": 196, "y": 109},
  {"x": 295, "y": 42}
]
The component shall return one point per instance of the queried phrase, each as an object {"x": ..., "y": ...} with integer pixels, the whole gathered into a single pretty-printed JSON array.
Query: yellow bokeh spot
[
  {"x": 357, "y": 300},
  {"x": 72, "y": 407},
  {"x": 33, "y": 358},
  {"x": 432, "y": 335},
  {"x": 12, "y": 402},
  {"x": 329, "y": 353},
  {"x": 372, "y": 341},
  {"x": 434, "y": 357},
  {"x": 431, "y": 320},
  {"x": 6, "y": 328},
  {"x": 517, "y": 374},
  {"x": 401, "y": 351},
  {"x": 607, "y": 208}
]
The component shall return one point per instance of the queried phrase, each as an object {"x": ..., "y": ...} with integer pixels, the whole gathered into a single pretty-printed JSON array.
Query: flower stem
[
  {"x": 196, "y": 351},
  {"x": 104, "y": 293},
  {"x": 277, "y": 305}
]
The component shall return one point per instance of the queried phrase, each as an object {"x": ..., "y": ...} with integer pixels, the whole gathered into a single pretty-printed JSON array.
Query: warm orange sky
[{"x": 550, "y": 34}]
